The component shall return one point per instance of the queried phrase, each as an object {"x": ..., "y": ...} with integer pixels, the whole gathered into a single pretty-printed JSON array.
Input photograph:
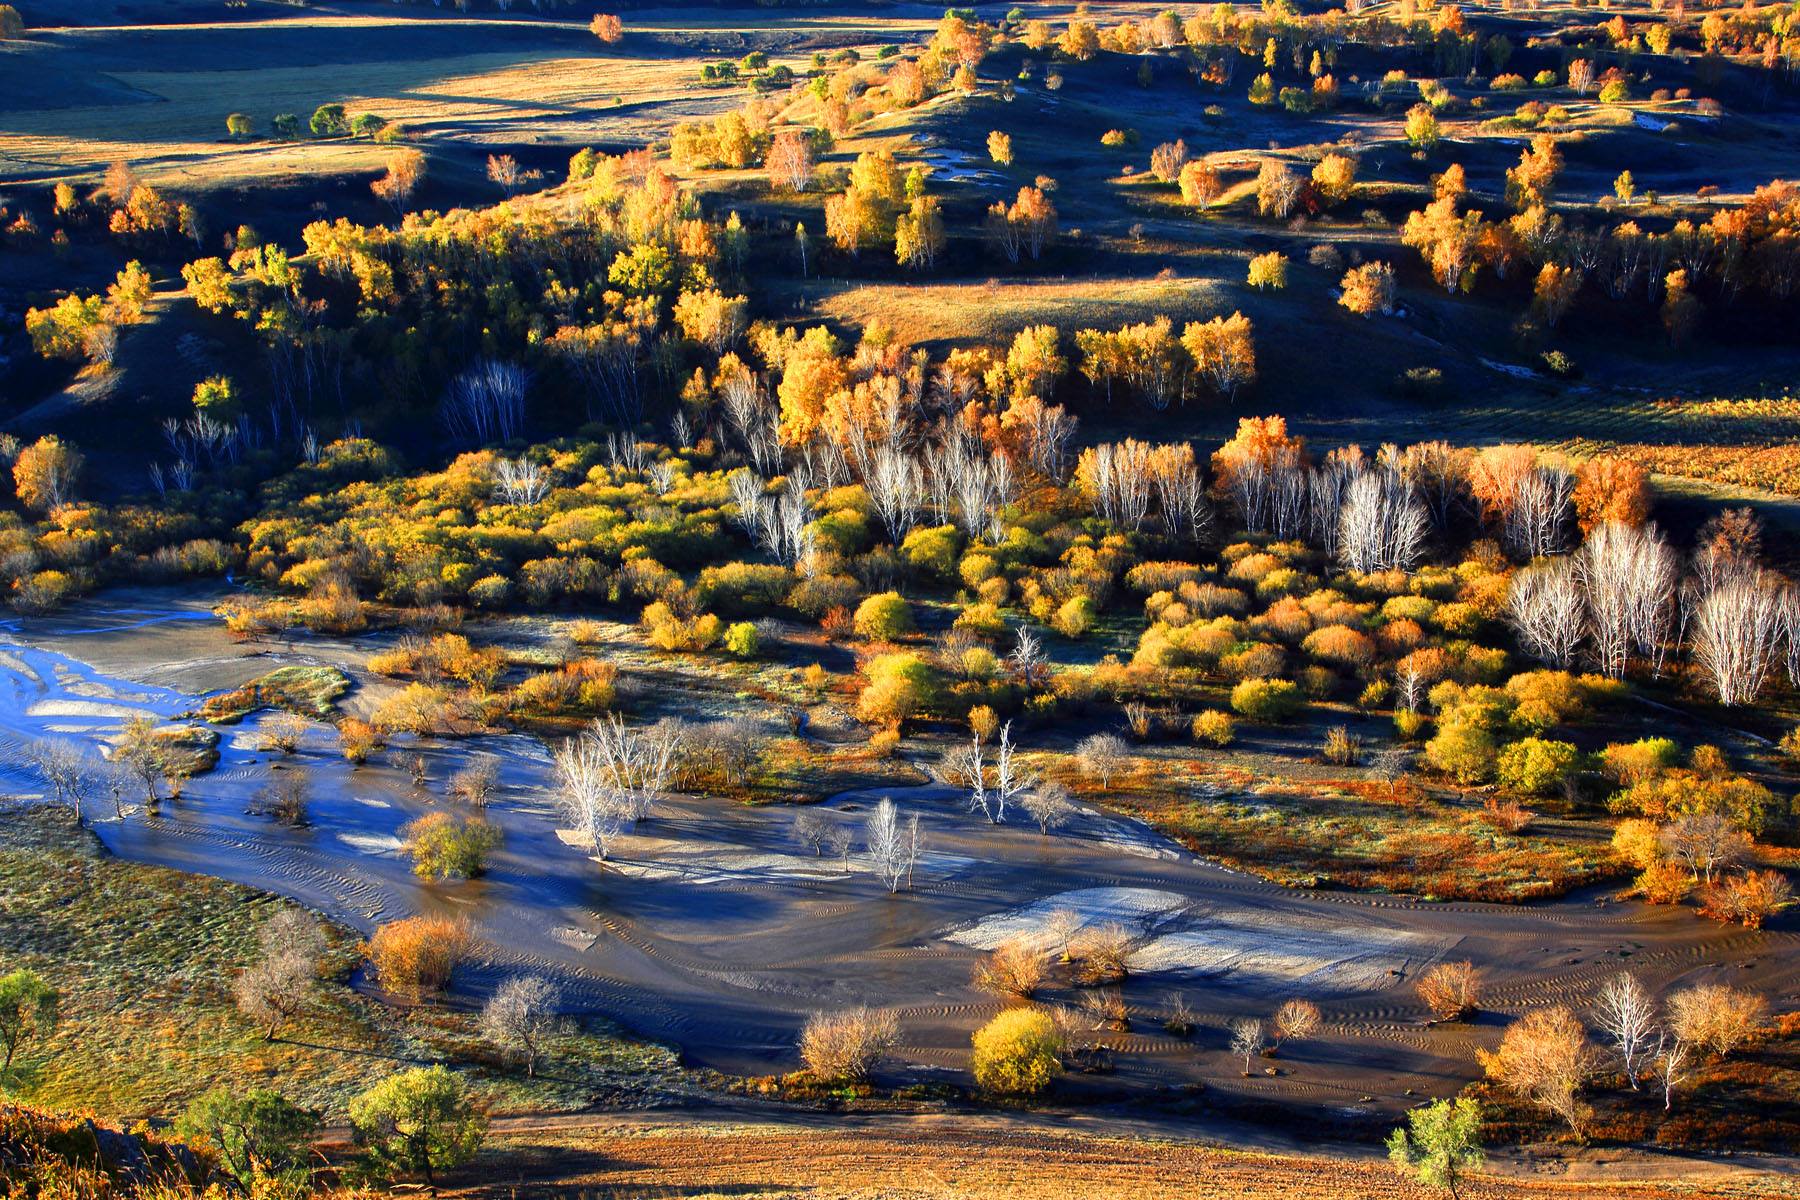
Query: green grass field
[{"x": 144, "y": 958}]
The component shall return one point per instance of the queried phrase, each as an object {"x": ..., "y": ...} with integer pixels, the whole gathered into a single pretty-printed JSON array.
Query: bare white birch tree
[
  {"x": 1737, "y": 630},
  {"x": 1545, "y": 606},
  {"x": 1625, "y": 1013}
]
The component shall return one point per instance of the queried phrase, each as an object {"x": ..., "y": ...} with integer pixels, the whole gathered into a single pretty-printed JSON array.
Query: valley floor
[{"x": 1020, "y": 1157}]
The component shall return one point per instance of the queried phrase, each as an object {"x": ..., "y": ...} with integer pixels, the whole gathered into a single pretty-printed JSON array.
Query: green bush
[
  {"x": 446, "y": 847},
  {"x": 932, "y": 552},
  {"x": 1214, "y": 727},
  {"x": 1537, "y": 765},
  {"x": 1266, "y": 699},
  {"x": 740, "y": 589},
  {"x": 883, "y": 617},
  {"x": 1463, "y": 751},
  {"x": 742, "y": 640},
  {"x": 1074, "y": 618}
]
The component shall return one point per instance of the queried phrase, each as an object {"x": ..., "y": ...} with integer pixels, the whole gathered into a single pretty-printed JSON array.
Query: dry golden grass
[
  {"x": 970, "y": 1160},
  {"x": 556, "y": 91},
  {"x": 994, "y": 311}
]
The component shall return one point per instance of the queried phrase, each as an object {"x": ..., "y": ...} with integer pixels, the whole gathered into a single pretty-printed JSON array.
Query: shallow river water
[{"x": 713, "y": 930}]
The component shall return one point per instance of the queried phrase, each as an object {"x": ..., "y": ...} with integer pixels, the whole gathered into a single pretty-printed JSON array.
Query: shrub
[
  {"x": 418, "y": 955},
  {"x": 1630, "y": 763},
  {"x": 1074, "y": 617},
  {"x": 1018, "y": 1053},
  {"x": 1508, "y": 816},
  {"x": 1638, "y": 842},
  {"x": 932, "y": 551},
  {"x": 742, "y": 640},
  {"x": 1266, "y": 699},
  {"x": 1342, "y": 748},
  {"x": 418, "y": 708},
  {"x": 1464, "y": 752},
  {"x": 357, "y": 740},
  {"x": 1749, "y": 899},
  {"x": 843, "y": 1047},
  {"x": 1450, "y": 990},
  {"x": 1104, "y": 955},
  {"x": 1214, "y": 727},
  {"x": 899, "y": 685},
  {"x": 883, "y": 617},
  {"x": 1663, "y": 882},
  {"x": 418, "y": 1122},
  {"x": 1015, "y": 969},
  {"x": 447, "y": 847},
  {"x": 1536, "y": 766}
]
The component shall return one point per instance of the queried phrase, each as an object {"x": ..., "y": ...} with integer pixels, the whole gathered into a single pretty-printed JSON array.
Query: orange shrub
[
  {"x": 1342, "y": 645},
  {"x": 418, "y": 955}
]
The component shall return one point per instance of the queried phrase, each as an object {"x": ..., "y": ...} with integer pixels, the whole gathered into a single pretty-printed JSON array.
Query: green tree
[
  {"x": 12, "y": 25},
  {"x": 257, "y": 1133},
  {"x": 445, "y": 847},
  {"x": 328, "y": 120},
  {"x": 27, "y": 1010},
  {"x": 647, "y": 269},
  {"x": 368, "y": 125},
  {"x": 418, "y": 1122},
  {"x": 217, "y": 397},
  {"x": 286, "y": 126},
  {"x": 239, "y": 125},
  {"x": 1441, "y": 1144}
]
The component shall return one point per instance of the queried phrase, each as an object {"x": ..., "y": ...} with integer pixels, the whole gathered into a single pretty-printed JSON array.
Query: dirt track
[{"x": 1017, "y": 1157}]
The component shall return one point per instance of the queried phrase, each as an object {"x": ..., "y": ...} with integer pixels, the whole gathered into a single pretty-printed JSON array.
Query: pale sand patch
[
  {"x": 1272, "y": 951},
  {"x": 577, "y": 939},
  {"x": 1129, "y": 837},
  {"x": 85, "y": 708},
  {"x": 373, "y": 844},
  {"x": 1134, "y": 908},
  {"x": 371, "y": 802}
]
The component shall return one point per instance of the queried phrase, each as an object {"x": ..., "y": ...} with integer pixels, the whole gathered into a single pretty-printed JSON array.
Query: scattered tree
[{"x": 418, "y": 1122}]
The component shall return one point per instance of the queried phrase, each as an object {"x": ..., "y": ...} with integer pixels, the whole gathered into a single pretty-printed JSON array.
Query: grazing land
[{"x": 852, "y": 601}]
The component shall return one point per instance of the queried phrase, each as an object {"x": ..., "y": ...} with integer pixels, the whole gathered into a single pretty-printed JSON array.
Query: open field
[
  {"x": 145, "y": 959},
  {"x": 158, "y": 95},
  {"x": 1162, "y": 536}
]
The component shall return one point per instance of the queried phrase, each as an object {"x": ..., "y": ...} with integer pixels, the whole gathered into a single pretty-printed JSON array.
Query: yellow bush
[{"x": 1018, "y": 1053}]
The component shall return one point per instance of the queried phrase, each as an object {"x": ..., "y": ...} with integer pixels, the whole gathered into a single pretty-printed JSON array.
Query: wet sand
[{"x": 714, "y": 930}]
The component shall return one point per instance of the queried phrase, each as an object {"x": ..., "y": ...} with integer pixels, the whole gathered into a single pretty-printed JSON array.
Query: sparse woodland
[{"x": 1449, "y": 666}]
